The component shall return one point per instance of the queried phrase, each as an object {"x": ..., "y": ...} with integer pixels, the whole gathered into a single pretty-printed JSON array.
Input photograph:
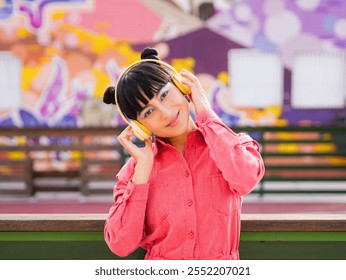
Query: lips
[{"x": 174, "y": 121}]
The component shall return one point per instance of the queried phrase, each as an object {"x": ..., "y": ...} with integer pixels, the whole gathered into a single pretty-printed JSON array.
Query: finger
[
  {"x": 190, "y": 80},
  {"x": 189, "y": 75},
  {"x": 125, "y": 136},
  {"x": 148, "y": 143},
  {"x": 129, "y": 146},
  {"x": 126, "y": 133}
]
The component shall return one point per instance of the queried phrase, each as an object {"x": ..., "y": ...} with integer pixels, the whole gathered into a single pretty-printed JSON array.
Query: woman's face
[{"x": 167, "y": 115}]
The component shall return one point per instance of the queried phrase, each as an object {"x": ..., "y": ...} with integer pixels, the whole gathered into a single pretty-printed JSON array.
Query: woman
[{"x": 179, "y": 196}]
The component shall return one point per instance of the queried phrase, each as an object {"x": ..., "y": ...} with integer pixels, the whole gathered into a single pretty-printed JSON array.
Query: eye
[
  {"x": 147, "y": 112},
  {"x": 163, "y": 95}
]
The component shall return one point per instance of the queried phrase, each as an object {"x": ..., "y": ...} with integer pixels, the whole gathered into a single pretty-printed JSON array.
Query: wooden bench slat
[
  {"x": 14, "y": 178},
  {"x": 57, "y": 148}
]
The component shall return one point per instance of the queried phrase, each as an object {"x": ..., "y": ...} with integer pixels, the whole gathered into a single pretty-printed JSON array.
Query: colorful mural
[
  {"x": 71, "y": 50},
  {"x": 287, "y": 27}
]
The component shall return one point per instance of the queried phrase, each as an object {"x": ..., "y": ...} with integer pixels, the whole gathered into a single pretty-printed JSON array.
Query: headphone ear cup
[
  {"x": 178, "y": 83},
  {"x": 140, "y": 131}
]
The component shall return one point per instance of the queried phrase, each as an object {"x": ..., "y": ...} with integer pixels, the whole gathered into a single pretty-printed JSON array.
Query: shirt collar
[{"x": 194, "y": 136}]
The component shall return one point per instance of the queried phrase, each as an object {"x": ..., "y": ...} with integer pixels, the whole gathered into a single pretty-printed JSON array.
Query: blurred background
[{"x": 272, "y": 68}]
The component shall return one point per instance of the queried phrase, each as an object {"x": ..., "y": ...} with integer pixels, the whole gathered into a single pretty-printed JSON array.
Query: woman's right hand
[
  {"x": 140, "y": 154},
  {"x": 144, "y": 156}
]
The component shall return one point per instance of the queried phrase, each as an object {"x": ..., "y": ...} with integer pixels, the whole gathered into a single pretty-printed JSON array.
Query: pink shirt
[{"x": 190, "y": 209}]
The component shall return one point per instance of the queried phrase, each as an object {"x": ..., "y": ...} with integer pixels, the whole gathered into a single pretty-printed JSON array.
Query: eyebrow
[
  {"x": 139, "y": 112},
  {"x": 146, "y": 106},
  {"x": 155, "y": 95}
]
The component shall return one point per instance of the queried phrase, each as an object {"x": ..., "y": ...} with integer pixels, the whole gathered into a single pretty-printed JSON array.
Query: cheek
[{"x": 180, "y": 99}]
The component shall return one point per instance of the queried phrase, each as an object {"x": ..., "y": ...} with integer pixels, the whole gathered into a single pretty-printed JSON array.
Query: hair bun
[
  {"x": 150, "y": 53},
  {"x": 109, "y": 95}
]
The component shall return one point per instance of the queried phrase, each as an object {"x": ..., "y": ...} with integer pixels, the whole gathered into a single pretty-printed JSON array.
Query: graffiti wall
[{"x": 69, "y": 51}]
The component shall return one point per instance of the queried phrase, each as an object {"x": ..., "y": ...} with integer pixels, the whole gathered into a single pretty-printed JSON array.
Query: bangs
[{"x": 139, "y": 85}]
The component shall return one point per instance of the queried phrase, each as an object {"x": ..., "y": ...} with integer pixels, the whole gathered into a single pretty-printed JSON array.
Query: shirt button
[
  {"x": 191, "y": 146},
  {"x": 189, "y": 202},
  {"x": 187, "y": 173},
  {"x": 191, "y": 235}
]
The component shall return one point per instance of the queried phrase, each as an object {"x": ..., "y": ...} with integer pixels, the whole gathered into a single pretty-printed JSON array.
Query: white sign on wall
[
  {"x": 318, "y": 80},
  {"x": 10, "y": 81},
  {"x": 256, "y": 78}
]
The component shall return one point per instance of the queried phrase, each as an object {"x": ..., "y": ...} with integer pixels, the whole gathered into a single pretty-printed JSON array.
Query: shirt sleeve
[
  {"x": 124, "y": 226},
  {"x": 236, "y": 155}
]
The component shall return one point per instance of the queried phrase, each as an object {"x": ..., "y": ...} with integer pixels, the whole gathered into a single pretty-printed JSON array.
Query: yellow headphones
[{"x": 140, "y": 131}]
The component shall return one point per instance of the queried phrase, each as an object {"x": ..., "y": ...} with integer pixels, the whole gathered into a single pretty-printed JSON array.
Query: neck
[{"x": 179, "y": 141}]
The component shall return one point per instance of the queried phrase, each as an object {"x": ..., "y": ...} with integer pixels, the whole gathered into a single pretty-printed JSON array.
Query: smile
[{"x": 174, "y": 121}]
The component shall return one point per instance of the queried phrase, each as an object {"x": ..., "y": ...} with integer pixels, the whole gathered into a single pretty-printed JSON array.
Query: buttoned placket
[{"x": 190, "y": 209}]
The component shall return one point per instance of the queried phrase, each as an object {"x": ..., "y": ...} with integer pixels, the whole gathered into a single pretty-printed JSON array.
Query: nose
[{"x": 165, "y": 111}]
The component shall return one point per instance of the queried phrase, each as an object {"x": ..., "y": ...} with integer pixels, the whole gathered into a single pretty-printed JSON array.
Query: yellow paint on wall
[
  {"x": 100, "y": 43},
  {"x": 83, "y": 36},
  {"x": 22, "y": 32},
  {"x": 57, "y": 15},
  {"x": 28, "y": 74},
  {"x": 102, "y": 82},
  {"x": 281, "y": 122},
  {"x": 223, "y": 77},
  {"x": 125, "y": 49},
  {"x": 183, "y": 63}
]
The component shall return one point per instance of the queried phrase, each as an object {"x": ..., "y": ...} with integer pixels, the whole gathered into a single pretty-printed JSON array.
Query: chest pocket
[
  {"x": 221, "y": 197},
  {"x": 157, "y": 204}
]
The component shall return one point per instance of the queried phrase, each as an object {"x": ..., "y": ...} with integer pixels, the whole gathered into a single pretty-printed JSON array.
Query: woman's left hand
[{"x": 197, "y": 95}]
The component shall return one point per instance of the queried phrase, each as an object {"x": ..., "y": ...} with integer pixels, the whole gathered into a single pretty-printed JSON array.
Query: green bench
[
  {"x": 263, "y": 237},
  {"x": 59, "y": 159},
  {"x": 302, "y": 154}
]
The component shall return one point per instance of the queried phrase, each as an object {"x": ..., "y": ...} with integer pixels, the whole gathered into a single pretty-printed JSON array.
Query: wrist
[
  {"x": 142, "y": 173},
  {"x": 206, "y": 114},
  {"x": 201, "y": 109},
  {"x": 201, "y": 106}
]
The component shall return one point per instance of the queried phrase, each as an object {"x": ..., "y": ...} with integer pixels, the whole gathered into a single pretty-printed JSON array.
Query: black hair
[{"x": 139, "y": 85}]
